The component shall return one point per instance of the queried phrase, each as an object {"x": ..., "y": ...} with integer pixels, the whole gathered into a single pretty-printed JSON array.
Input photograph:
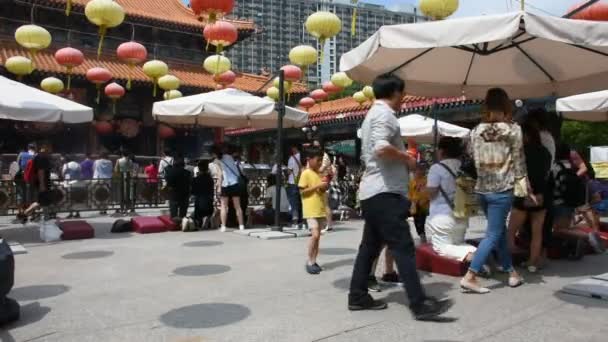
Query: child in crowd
[
  {"x": 420, "y": 200},
  {"x": 312, "y": 189}
]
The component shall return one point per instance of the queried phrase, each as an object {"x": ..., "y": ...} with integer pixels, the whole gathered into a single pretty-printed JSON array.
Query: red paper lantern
[
  {"x": 69, "y": 58},
  {"x": 211, "y": 9},
  {"x": 225, "y": 79},
  {"x": 596, "y": 12},
  {"x": 104, "y": 127},
  {"x": 165, "y": 132},
  {"x": 292, "y": 73},
  {"x": 114, "y": 91},
  {"x": 132, "y": 53},
  {"x": 220, "y": 34},
  {"x": 319, "y": 95},
  {"x": 307, "y": 102},
  {"x": 331, "y": 88},
  {"x": 98, "y": 76}
]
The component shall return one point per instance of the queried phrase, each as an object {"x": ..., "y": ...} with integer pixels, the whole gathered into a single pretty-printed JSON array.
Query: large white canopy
[
  {"x": 526, "y": 54},
  {"x": 228, "y": 108},
  {"x": 24, "y": 103},
  {"x": 585, "y": 107},
  {"x": 422, "y": 129}
]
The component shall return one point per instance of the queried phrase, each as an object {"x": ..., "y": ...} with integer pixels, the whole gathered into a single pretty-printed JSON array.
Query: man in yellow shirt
[{"x": 312, "y": 189}]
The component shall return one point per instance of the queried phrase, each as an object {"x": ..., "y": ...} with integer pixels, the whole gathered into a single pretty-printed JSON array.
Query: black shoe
[
  {"x": 391, "y": 278},
  {"x": 312, "y": 269},
  {"x": 372, "y": 285},
  {"x": 579, "y": 250},
  {"x": 430, "y": 308},
  {"x": 318, "y": 267},
  {"x": 368, "y": 304},
  {"x": 77, "y": 215}
]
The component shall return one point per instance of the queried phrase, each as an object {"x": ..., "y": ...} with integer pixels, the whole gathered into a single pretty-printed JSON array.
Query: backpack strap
[{"x": 443, "y": 193}]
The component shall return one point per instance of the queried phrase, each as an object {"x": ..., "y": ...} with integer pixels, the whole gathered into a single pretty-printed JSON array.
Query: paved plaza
[{"x": 209, "y": 286}]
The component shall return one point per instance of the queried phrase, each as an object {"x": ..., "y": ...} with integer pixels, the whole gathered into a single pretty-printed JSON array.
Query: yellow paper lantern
[
  {"x": 323, "y": 25},
  {"x": 273, "y": 93},
  {"x": 52, "y": 85},
  {"x": 438, "y": 9},
  {"x": 19, "y": 65},
  {"x": 341, "y": 79},
  {"x": 155, "y": 69},
  {"x": 368, "y": 91},
  {"x": 172, "y": 94},
  {"x": 105, "y": 14},
  {"x": 303, "y": 55},
  {"x": 33, "y": 37},
  {"x": 286, "y": 84},
  {"x": 217, "y": 64},
  {"x": 168, "y": 82},
  {"x": 359, "y": 97}
]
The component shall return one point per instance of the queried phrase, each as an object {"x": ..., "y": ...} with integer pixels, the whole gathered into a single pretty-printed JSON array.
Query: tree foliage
[{"x": 584, "y": 134}]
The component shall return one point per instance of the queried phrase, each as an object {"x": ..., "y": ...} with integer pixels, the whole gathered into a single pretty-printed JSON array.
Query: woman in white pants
[{"x": 444, "y": 231}]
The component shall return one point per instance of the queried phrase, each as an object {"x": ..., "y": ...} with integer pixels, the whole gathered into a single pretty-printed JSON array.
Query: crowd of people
[{"x": 530, "y": 188}]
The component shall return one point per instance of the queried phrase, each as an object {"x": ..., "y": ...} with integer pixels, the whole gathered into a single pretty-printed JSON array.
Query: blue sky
[{"x": 478, "y": 7}]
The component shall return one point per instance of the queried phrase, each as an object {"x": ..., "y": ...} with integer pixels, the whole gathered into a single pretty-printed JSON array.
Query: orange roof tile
[
  {"x": 347, "y": 109},
  {"x": 165, "y": 11},
  {"x": 189, "y": 75}
]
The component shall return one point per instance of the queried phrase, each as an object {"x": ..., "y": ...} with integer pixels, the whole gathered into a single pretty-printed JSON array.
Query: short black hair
[
  {"x": 203, "y": 166},
  {"x": 497, "y": 100},
  {"x": 386, "y": 85},
  {"x": 563, "y": 152},
  {"x": 312, "y": 152},
  {"x": 451, "y": 147},
  {"x": 179, "y": 162},
  {"x": 531, "y": 132}
]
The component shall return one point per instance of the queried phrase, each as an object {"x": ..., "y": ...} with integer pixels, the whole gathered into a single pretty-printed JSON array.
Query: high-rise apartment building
[{"x": 281, "y": 27}]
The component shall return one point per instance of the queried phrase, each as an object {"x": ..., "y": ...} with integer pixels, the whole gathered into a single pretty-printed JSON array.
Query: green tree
[{"x": 584, "y": 134}]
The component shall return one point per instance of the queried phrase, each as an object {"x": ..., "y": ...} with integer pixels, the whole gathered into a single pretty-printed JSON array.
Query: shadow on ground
[
  {"x": 203, "y": 243},
  {"x": 585, "y": 302},
  {"x": 201, "y": 270},
  {"x": 88, "y": 255},
  {"x": 337, "y": 264},
  {"x": 30, "y": 313},
  {"x": 36, "y": 292},
  {"x": 200, "y": 316}
]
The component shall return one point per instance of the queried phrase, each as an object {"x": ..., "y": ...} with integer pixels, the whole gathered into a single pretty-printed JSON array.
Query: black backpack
[
  {"x": 122, "y": 226},
  {"x": 574, "y": 193}
]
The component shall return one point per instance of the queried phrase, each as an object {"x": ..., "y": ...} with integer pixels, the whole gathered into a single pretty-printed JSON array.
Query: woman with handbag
[
  {"x": 538, "y": 164},
  {"x": 497, "y": 149},
  {"x": 230, "y": 185}
]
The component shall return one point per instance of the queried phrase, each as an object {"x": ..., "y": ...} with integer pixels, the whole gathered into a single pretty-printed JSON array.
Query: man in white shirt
[
  {"x": 383, "y": 195},
  {"x": 294, "y": 167},
  {"x": 165, "y": 161}
]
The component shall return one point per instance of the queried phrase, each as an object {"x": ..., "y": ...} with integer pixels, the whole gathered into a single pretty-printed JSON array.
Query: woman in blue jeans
[{"x": 497, "y": 148}]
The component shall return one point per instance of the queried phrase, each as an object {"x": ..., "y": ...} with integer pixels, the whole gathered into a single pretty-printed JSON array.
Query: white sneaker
[
  {"x": 223, "y": 229},
  {"x": 241, "y": 227}
]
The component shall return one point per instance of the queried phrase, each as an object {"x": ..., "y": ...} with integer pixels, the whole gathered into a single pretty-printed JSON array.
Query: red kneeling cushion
[
  {"x": 169, "y": 223},
  {"x": 428, "y": 260},
  {"x": 147, "y": 224},
  {"x": 76, "y": 230}
]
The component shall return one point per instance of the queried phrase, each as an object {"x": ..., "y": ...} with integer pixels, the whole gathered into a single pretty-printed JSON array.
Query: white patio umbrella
[
  {"x": 422, "y": 129},
  {"x": 526, "y": 54},
  {"x": 228, "y": 108},
  {"x": 24, "y": 103},
  {"x": 585, "y": 107}
]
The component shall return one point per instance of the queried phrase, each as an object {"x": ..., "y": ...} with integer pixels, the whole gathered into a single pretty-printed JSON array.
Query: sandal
[{"x": 515, "y": 282}]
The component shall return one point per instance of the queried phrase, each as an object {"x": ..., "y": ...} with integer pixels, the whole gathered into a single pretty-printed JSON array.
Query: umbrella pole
[
  {"x": 278, "y": 185},
  {"x": 435, "y": 130}
]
